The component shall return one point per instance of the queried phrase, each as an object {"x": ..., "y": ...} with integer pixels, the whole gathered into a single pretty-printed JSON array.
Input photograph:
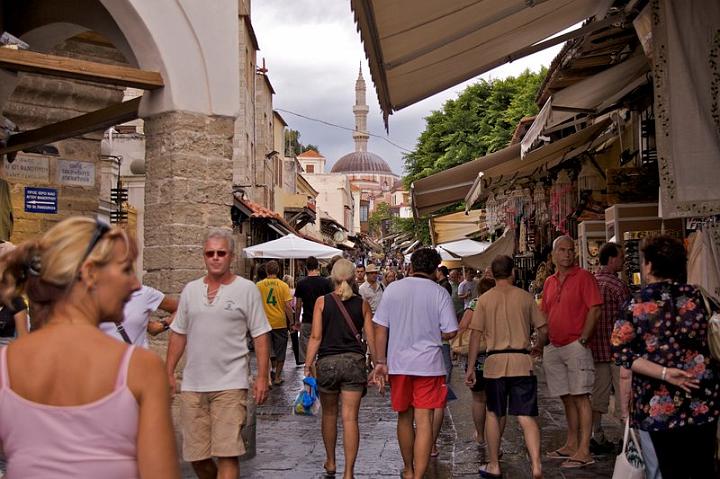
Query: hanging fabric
[{"x": 562, "y": 202}]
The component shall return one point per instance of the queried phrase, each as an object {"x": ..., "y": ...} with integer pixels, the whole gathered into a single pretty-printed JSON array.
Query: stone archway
[{"x": 189, "y": 123}]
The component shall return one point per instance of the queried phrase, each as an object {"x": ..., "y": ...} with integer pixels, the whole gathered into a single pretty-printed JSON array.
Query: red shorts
[{"x": 420, "y": 392}]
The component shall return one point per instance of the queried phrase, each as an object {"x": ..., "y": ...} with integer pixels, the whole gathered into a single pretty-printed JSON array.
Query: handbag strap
[
  {"x": 631, "y": 433},
  {"x": 346, "y": 315},
  {"x": 121, "y": 331}
]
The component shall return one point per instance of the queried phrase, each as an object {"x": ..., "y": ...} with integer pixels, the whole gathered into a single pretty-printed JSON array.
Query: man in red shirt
[{"x": 571, "y": 302}]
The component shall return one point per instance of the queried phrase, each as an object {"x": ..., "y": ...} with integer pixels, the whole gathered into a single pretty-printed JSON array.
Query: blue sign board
[{"x": 41, "y": 200}]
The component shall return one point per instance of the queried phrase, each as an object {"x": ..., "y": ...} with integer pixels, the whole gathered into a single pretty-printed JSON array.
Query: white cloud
[{"x": 313, "y": 50}]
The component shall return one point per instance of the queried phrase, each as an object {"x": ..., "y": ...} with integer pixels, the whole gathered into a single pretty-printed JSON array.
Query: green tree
[
  {"x": 381, "y": 214},
  {"x": 418, "y": 228},
  {"x": 293, "y": 146},
  {"x": 479, "y": 121}
]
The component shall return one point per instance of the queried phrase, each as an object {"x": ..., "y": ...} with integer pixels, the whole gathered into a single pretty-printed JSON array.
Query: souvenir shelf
[
  {"x": 625, "y": 217},
  {"x": 591, "y": 237}
]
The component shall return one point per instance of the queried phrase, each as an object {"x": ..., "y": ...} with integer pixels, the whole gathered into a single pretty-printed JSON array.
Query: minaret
[{"x": 360, "y": 135}]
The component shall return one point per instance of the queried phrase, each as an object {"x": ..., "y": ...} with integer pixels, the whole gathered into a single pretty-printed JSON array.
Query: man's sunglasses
[{"x": 218, "y": 253}]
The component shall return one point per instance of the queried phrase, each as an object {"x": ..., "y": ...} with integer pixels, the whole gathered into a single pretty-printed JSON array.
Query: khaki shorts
[
  {"x": 211, "y": 423},
  {"x": 569, "y": 369},
  {"x": 607, "y": 378}
]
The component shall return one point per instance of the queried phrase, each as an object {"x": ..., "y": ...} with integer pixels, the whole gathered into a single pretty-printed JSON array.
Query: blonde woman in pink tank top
[{"x": 74, "y": 402}]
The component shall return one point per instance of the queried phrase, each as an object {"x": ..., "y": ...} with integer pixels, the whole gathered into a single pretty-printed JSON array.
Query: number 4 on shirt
[{"x": 271, "y": 298}]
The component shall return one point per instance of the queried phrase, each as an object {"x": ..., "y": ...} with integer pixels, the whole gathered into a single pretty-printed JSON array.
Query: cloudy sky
[{"x": 313, "y": 51}]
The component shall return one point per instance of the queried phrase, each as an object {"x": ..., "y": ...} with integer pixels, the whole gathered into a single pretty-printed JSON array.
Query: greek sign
[
  {"x": 41, "y": 200},
  {"x": 27, "y": 168},
  {"x": 76, "y": 173}
]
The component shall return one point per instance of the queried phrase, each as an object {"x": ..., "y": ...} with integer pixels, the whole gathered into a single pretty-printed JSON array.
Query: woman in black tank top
[{"x": 336, "y": 339}]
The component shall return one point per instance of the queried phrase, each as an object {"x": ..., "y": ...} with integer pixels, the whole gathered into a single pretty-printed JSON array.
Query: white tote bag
[{"x": 629, "y": 464}]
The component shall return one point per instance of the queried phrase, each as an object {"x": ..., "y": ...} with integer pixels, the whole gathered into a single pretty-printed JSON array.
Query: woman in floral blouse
[{"x": 676, "y": 385}]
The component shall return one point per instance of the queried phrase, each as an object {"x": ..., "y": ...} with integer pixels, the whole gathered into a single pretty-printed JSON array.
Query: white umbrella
[{"x": 291, "y": 247}]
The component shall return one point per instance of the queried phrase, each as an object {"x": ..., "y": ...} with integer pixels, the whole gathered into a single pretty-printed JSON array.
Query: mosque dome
[{"x": 361, "y": 162}]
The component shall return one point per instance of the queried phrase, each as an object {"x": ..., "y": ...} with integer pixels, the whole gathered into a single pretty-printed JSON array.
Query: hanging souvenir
[
  {"x": 562, "y": 202},
  {"x": 589, "y": 179},
  {"x": 540, "y": 203},
  {"x": 491, "y": 211}
]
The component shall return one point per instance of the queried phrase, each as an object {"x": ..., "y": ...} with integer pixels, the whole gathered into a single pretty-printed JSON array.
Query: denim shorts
[{"x": 342, "y": 372}]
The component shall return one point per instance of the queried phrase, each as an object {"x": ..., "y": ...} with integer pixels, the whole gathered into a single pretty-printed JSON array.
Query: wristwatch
[{"x": 583, "y": 341}]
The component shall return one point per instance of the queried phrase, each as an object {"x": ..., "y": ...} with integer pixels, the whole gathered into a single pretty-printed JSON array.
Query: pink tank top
[{"x": 98, "y": 439}]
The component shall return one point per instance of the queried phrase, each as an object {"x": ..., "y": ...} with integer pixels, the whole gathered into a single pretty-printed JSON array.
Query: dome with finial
[{"x": 361, "y": 162}]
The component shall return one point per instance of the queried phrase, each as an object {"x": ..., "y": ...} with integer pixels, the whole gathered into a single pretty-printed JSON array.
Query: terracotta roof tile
[{"x": 310, "y": 154}]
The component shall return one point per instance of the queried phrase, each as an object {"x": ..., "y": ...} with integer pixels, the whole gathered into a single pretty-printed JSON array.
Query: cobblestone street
[{"x": 291, "y": 447}]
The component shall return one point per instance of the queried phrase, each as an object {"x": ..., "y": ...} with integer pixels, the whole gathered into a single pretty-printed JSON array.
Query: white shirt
[
  {"x": 216, "y": 349},
  {"x": 416, "y": 311},
  {"x": 464, "y": 288},
  {"x": 372, "y": 295},
  {"x": 136, "y": 316}
]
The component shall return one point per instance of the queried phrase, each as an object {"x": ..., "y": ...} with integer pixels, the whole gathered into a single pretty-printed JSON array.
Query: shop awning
[
  {"x": 456, "y": 226},
  {"x": 450, "y": 186},
  {"x": 503, "y": 245},
  {"x": 465, "y": 247},
  {"x": 417, "y": 48},
  {"x": 547, "y": 156},
  {"x": 591, "y": 95}
]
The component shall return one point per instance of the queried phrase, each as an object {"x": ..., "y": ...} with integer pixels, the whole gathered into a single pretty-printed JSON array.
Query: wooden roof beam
[
  {"x": 80, "y": 125},
  {"x": 65, "y": 67}
]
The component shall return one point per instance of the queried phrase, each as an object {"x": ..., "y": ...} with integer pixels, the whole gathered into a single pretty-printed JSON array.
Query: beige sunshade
[
  {"x": 450, "y": 186},
  {"x": 417, "y": 48}
]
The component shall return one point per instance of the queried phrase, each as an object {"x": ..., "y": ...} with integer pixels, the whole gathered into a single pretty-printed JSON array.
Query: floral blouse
[{"x": 666, "y": 323}]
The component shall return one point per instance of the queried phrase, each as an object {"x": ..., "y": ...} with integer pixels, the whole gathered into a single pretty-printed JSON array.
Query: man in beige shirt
[{"x": 503, "y": 321}]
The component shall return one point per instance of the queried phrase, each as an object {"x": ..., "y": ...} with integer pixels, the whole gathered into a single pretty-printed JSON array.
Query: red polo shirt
[{"x": 566, "y": 304}]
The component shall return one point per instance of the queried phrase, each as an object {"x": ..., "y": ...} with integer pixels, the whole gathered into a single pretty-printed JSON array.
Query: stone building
[{"x": 207, "y": 119}]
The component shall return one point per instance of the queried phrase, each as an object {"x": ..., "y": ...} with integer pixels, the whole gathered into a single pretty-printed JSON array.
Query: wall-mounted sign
[
  {"x": 41, "y": 200},
  {"x": 27, "y": 168},
  {"x": 76, "y": 173}
]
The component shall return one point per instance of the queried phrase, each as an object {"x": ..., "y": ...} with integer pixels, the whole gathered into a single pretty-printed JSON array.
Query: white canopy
[
  {"x": 464, "y": 247},
  {"x": 503, "y": 245},
  {"x": 291, "y": 247}
]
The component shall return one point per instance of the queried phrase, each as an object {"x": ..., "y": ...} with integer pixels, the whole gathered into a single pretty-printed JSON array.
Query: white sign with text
[
  {"x": 27, "y": 168},
  {"x": 76, "y": 173}
]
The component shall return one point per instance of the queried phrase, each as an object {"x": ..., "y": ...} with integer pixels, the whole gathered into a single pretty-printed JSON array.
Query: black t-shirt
[
  {"x": 309, "y": 289},
  {"x": 7, "y": 317}
]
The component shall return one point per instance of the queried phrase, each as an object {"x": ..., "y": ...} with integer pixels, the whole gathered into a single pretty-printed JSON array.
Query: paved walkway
[{"x": 291, "y": 447}]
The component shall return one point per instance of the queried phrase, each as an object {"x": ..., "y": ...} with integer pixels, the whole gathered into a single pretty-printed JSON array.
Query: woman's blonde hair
[
  {"x": 343, "y": 275},
  {"x": 46, "y": 269}
]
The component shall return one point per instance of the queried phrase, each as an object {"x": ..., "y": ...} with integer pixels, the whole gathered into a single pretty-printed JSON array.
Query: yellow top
[{"x": 275, "y": 295}]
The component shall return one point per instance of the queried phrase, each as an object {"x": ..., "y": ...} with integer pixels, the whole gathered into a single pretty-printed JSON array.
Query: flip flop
[
  {"x": 576, "y": 463},
  {"x": 556, "y": 454},
  {"x": 488, "y": 475},
  {"x": 435, "y": 453}
]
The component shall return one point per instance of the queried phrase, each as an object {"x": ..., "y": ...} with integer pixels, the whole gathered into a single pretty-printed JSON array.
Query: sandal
[
  {"x": 576, "y": 463},
  {"x": 556, "y": 454}
]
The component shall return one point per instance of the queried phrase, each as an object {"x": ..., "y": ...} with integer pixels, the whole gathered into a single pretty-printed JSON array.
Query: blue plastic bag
[{"x": 307, "y": 402}]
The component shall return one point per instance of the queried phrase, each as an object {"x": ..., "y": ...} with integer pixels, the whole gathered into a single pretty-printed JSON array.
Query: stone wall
[
  {"x": 41, "y": 100},
  {"x": 188, "y": 190}
]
